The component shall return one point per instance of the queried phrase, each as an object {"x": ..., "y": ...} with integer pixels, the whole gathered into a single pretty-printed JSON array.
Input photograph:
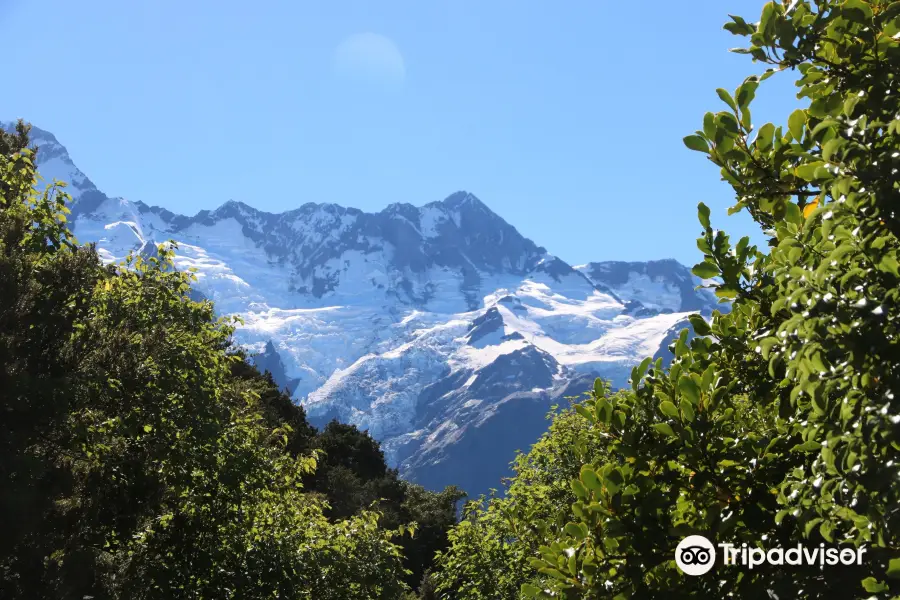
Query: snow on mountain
[
  {"x": 658, "y": 285},
  {"x": 440, "y": 329}
]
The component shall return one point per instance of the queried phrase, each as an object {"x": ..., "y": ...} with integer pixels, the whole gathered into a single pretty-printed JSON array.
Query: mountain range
[{"x": 438, "y": 328}]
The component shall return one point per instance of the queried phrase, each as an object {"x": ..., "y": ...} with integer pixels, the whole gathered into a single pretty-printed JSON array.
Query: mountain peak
[
  {"x": 48, "y": 146},
  {"x": 462, "y": 199},
  {"x": 54, "y": 163},
  {"x": 234, "y": 206}
]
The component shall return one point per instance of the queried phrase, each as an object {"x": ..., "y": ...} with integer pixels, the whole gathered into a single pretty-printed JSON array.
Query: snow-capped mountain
[{"x": 439, "y": 328}]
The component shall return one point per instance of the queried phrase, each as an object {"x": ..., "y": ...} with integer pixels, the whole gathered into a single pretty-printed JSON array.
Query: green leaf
[
  {"x": 765, "y": 20},
  {"x": 746, "y": 118},
  {"x": 701, "y": 327},
  {"x": 809, "y": 170},
  {"x": 889, "y": 264},
  {"x": 638, "y": 372},
  {"x": 148, "y": 428},
  {"x": 707, "y": 379},
  {"x": 811, "y": 525},
  {"x": 877, "y": 244},
  {"x": 893, "y": 570},
  {"x": 796, "y": 123},
  {"x": 739, "y": 26},
  {"x": 590, "y": 479},
  {"x": 826, "y": 528},
  {"x": 808, "y": 446},
  {"x": 667, "y": 408},
  {"x": 695, "y": 142},
  {"x": 764, "y": 137},
  {"x": 727, "y": 291},
  {"x": 873, "y": 586},
  {"x": 703, "y": 215},
  {"x": 575, "y": 530},
  {"x": 766, "y": 345},
  {"x": 728, "y": 123},
  {"x": 604, "y": 410},
  {"x": 857, "y": 10},
  {"x": 705, "y": 270},
  {"x": 689, "y": 389},
  {"x": 709, "y": 125},
  {"x": 746, "y": 92},
  {"x": 687, "y": 410},
  {"x": 830, "y": 147},
  {"x": 825, "y": 106},
  {"x": 578, "y": 489},
  {"x": 664, "y": 428},
  {"x": 726, "y": 98},
  {"x": 584, "y": 412},
  {"x": 614, "y": 481},
  {"x": 736, "y": 208}
]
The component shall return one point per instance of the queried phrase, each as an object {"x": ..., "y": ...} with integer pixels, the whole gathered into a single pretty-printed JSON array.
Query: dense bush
[
  {"x": 489, "y": 549},
  {"x": 780, "y": 424}
]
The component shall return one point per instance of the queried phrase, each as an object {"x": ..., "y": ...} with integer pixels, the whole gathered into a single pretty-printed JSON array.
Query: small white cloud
[{"x": 369, "y": 57}]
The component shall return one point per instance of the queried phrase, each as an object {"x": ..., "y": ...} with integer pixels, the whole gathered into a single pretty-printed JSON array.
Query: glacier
[{"x": 439, "y": 328}]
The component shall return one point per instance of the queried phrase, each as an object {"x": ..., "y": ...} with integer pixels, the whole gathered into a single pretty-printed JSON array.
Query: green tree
[
  {"x": 351, "y": 476},
  {"x": 489, "y": 552},
  {"x": 41, "y": 277},
  {"x": 779, "y": 423},
  {"x": 140, "y": 465}
]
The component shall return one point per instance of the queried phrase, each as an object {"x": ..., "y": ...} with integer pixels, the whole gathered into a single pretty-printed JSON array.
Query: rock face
[
  {"x": 439, "y": 328},
  {"x": 269, "y": 360}
]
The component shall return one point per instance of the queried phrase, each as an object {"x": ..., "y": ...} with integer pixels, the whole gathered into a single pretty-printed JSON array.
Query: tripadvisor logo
[{"x": 696, "y": 555}]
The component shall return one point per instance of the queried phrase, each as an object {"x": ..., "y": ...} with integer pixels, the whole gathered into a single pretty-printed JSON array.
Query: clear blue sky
[{"x": 566, "y": 118}]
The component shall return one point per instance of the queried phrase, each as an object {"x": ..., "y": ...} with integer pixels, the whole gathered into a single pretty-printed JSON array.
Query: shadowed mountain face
[
  {"x": 439, "y": 328},
  {"x": 269, "y": 360}
]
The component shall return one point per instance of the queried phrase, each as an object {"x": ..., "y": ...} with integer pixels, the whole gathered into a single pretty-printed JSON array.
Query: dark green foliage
[
  {"x": 36, "y": 318},
  {"x": 434, "y": 514},
  {"x": 12, "y": 142},
  {"x": 351, "y": 476},
  {"x": 140, "y": 459},
  {"x": 348, "y": 450},
  {"x": 277, "y": 407}
]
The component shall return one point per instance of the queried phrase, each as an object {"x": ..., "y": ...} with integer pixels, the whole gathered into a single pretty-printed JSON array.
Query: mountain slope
[
  {"x": 439, "y": 328},
  {"x": 661, "y": 285}
]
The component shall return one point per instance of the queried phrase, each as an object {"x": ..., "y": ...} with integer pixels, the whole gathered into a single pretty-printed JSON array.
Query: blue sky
[{"x": 566, "y": 118}]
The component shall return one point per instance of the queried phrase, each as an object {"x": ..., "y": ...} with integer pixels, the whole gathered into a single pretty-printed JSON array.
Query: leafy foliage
[
  {"x": 351, "y": 476},
  {"x": 489, "y": 553},
  {"x": 780, "y": 423}
]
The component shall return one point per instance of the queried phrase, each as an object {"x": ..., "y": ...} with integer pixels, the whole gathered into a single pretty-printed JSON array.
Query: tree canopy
[{"x": 778, "y": 423}]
